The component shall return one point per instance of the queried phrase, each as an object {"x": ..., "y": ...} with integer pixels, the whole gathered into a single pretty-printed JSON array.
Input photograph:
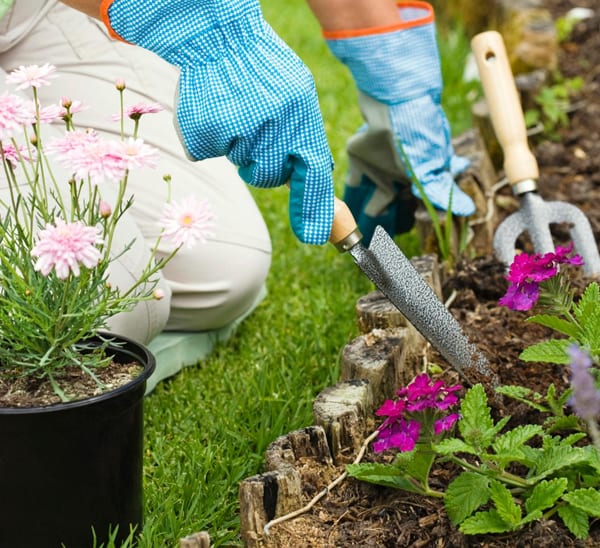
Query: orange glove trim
[
  {"x": 402, "y": 25},
  {"x": 104, "y": 6}
]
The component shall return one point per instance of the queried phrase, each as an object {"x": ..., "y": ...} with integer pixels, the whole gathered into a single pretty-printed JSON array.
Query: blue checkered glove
[
  {"x": 243, "y": 93},
  {"x": 397, "y": 72}
]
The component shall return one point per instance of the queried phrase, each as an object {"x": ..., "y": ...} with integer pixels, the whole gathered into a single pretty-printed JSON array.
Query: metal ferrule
[
  {"x": 347, "y": 243},
  {"x": 527, "y": 185}
]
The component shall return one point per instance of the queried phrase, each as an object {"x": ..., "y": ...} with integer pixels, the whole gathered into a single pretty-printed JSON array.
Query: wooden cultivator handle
[{"x": 504, "y": 104}]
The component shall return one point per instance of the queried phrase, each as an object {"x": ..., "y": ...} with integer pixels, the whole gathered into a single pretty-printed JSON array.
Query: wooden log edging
[{"x": 343, "y": 413}]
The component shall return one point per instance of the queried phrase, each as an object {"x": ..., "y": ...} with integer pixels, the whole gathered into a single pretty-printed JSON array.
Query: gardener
[{"x": 244, "y": 95}]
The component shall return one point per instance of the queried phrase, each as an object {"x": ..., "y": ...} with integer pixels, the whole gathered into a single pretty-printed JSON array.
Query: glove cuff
[
  {"x": 413, "y": 14},
  {"x": 396, "y": 63},
  {"x": 169, "y": 27},
  {"x": 104, "y": 7}
]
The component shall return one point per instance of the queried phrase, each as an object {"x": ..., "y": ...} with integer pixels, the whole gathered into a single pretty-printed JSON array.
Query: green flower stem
[{"x": 496, "y": 473}]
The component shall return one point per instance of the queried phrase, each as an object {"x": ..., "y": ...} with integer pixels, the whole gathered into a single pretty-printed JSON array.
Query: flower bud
[
  {"x": 104, "y": 209},
  {"x": 66, "y": 102},
  {"x": 158, "y": 294},
  {"x": 120, "y": 84}
]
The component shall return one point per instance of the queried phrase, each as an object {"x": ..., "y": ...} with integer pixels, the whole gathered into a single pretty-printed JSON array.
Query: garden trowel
[{"x": 393, "y": 274}]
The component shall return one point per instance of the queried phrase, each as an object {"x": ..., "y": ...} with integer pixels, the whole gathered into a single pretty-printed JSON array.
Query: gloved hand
[
  {"x": 397, "y": 72},
  {"x": 243, "y": 93}
]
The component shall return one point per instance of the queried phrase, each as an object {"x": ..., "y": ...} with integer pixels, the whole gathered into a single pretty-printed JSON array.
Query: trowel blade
[{"x": 395, "y": 276}]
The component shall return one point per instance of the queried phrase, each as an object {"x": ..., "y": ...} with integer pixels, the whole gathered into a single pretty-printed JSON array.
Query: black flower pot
[{"x": 71, "y": 468}]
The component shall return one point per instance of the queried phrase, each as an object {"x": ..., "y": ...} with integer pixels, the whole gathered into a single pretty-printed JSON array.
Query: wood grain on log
[
  {"x": 345, "y": 411},
  {"x": 383, "y": 357}
]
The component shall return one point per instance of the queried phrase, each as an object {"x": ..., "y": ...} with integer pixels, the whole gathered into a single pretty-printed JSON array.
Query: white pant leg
[{"x": 214, "y": 283}]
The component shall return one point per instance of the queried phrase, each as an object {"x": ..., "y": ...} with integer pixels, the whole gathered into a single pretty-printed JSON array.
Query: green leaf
[
  {"x": 557, "y": 457},
  {"x": 552, "y": 351},
  {"x": 450, "y": 446},
  {"x": 558, "y": 324},
  {"x": 545, "y": 494},
  {"x": 507, "y": 508},
  {"x": 476, "y": 424},
  {"x": 484, "y": 522},
  {"x": 576, "y": 520},
  {"x": 587, "y": 500},
  {"x": 525, "y": 395},
  {"x": 513, "y": 439},
  {"x": 465, "y": 494},
  {"x": 590, "y": 300},
  {"x": 556, "y": 424},
  {"x": 382, "y": 474}
]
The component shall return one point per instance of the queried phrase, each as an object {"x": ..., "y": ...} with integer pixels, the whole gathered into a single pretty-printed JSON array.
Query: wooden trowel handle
[
  {"x": 505, "y": 107},
  {"x": 344, "y": 231}
]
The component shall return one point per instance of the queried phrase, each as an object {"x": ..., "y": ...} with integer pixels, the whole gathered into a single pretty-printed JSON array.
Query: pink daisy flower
[
  {"x": 14, "y": 156},
  {"x": 72, "y": 141},
  {"x": 65, "y": 246},
  {"x": 86, "y": 155},
  {"x": 136, "y": 153},
  {"x": 47, "y": 114},
  {"x": 32, "y": 76},
  {"x": 186, "y": 223},
  {"x": 13, "y": 115},
  {"x": 136, "y": 111}
]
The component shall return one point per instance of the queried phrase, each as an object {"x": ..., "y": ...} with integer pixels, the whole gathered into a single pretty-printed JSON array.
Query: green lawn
[{"x": 208, "y": 428}]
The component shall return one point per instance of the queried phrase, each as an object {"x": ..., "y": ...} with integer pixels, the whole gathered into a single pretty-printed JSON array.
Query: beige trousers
[{"x": 212, "y": 284}]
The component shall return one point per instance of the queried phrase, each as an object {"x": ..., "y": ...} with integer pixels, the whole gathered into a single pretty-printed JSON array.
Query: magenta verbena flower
[
  {"x": 527, "y": 271},
  {"x": 423, "y": 393},
  {"x": 187, "y": 222},
  {"x": 422, "y": 399},
  {"x": 65, "y": 246},
  {"x": 399, "y": 434},
  {"x": 585, "y": 399},
  {"x": 445, "y": 423}
]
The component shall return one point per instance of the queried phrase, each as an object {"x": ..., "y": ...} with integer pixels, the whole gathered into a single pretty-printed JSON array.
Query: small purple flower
[
  {"x": 528, "y": 271},
  {"x": 445, "y": 423},
  {"x": 585, "y": 400},
  {"x": 521, "y": 296},
  {"x": 400, "y": 430},
  {"x": 400, "y": 434}
]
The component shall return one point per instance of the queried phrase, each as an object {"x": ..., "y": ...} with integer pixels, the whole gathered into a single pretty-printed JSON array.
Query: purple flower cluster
[
  {"x": 528, "y": 271},
  {"x": 585, "y": 400},
  {"x": 400, "y": 430}
]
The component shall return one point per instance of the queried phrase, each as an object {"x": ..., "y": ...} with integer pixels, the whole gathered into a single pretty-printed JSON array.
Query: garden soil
[{"x": 358, "y": 514}]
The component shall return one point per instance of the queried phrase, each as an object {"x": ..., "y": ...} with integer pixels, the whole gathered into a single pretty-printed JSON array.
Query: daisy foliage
[{"x": 57, "y": 234}]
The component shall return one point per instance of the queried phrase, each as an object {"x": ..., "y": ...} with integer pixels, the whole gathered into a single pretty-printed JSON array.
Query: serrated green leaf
[
  {"x": 450, "y": 446},
  {"x": 557, "y": 457},
  {"x": 552, "y": 351},
  {"x": 513, "y": 439},
  {"x": 465, "y": 494},
  {"x": 558, "y": 324},
  {"x": 507, "y": 508},
  {"x": 556, "y": 424},
  {"x": 545, "y": 494},
  {"x": 589, "y": 300},
  {"x": 484, "y": 522},
  {"x": 476, "y": 425},
  {"x": 524, "y": 395},
  {"x": 587, "y": 500},
  {"x": 576, "y": 521},
  {"x": 533, "y": 516},
  {"x": 381, "y": 474}
]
